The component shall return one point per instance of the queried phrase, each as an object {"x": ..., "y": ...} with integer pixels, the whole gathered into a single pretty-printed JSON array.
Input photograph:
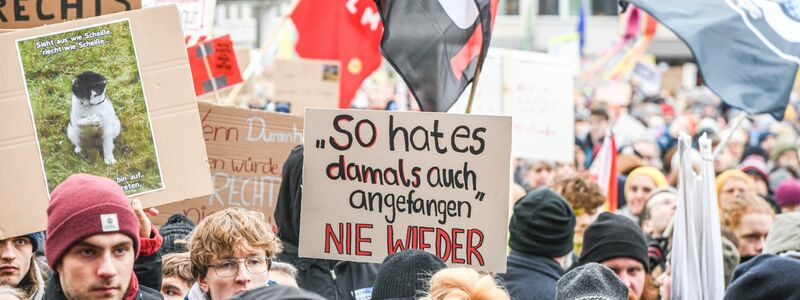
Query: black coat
[
  {"x": 531, "y": 277},
  {"x": 331, "y": 279}
]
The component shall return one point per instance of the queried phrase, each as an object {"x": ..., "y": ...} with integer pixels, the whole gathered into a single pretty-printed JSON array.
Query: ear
[
  {"x": 74, "y": 80},
  {"x": 203, "y": 284}
]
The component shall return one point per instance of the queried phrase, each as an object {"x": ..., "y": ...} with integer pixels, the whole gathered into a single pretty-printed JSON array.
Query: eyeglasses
[{"x": 230, "y": 267}]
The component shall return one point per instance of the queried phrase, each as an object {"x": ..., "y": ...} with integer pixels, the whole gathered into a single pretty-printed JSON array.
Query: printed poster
[{"x": 88, "y": 106}]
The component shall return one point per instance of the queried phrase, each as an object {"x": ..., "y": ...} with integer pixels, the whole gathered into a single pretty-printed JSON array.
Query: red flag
[{"x": 345, "y": 30}]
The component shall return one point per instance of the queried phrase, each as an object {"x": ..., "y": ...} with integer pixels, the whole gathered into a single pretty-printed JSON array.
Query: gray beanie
[
  {"x": 785, "y": 234},
  {"x": 591, "y": 281}
]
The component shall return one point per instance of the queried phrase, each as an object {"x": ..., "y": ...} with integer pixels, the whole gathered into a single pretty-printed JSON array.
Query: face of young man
[
  {"x": 630, "y": 271},
  {"x": 15, "y": 259},
  {"x": 98, "y": 267},
  {"x": 174, "y": 288},
  {"x": 752, "y": 233},
  {"x": 226, "y": 279}
]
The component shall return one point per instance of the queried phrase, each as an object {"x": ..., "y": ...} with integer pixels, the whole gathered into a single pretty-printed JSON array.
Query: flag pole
[
  {"x": 736, "y": 123},
  {"x": 475, "y": 81},
  {"x": 261, "y": 52}
]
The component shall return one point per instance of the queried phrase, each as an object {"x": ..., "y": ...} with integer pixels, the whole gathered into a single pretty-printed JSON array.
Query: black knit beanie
[
  {"x": 281, "y": 292},
  {"x": 542, "y": 225},
  {"x": 613, "y": 236},
  {"x": 405, "y": 275},
  {"x": 178, "y": 226}
]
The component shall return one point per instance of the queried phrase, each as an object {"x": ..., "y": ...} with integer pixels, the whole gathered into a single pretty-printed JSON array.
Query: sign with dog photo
[
  {"x": 102, "y": 126},
  {"x": 110, "y": 96}
]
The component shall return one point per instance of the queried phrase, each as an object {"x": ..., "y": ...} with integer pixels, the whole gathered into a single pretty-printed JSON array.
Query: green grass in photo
[{"x": 49, "y": 83}]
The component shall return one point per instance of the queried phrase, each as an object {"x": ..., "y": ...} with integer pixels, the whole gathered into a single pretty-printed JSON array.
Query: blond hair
[
  {"x": 178, "y": 265},
  {"x": 464, "y": 284},
  {"x": 223, "y": 232},
  {"x": 742, "y": 204}
]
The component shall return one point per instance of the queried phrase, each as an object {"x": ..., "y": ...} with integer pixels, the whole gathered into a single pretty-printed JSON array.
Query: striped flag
[{"x": 604, "y": 171}]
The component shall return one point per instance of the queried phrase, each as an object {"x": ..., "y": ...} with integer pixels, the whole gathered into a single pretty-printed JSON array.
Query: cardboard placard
[
  {"x": 542, "y": 106},
  {"x": 214, "y": 65},
  {"x": 164, "y": 75},
  {"x": 307, "y": 83},
  {"x": 376, "y": 182},
  {"x": 18, "y": 14},
  {"x": 196, "y": 15},
  {"x": 246, "y": 151}
]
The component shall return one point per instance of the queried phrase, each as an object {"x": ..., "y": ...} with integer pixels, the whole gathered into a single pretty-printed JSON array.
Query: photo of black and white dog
[{"x": 93, "y": 120}]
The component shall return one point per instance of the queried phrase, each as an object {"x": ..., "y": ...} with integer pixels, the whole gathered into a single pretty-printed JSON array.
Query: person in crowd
[
  {"x": 785, "y": 163},
  {"x": 641, "y": 182},
  {"x": 599, "y": 122},
  {"x": 784, "y": 238},
  {"x": 649, "y": 152},
  {"x": 464, "y": 284},
  {"x": 658, "y": 212},
  {"x": 755, "y": 167},
  {"x": 730, "y": 257},
  {"x": 177, "y": 276},
  {"x": 787, "y": 195},
  {"x": 283, "y": 274},
  {"x": 664, "y": 281},
  {"x": 12, "y": 293},
  {"x": 767, "y": 276},
  {"x": 750, "y": 219},
  {"x": 331, "y": 279},
  {"x": 767, "y": 142},
  {"x": 619, "y": 244},
  {"x": 541, "y": 232},
  {"x": 586, "y": 200},
  {"x": 539, "y": 173},
  {"x": 405, "y": 275},
  {"x": 278, "y": 292},
  {"x": 100, "y": 244},
  {"x": 591, "y": 281},
  {"x": 19, "y": 268},
  {"x": 732, "y": 183},
  {"x": 231, "y": 251},
  {"x": 175, "y": 231}
]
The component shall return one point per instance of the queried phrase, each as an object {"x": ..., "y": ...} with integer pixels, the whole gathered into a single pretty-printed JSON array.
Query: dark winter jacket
[
  {"x": 531, "y": 277},
  {"x": 328, "y": 278}
]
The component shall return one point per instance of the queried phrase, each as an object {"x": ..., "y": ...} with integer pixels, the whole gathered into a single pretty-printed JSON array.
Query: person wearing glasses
[{"x": 231, "y": 252}]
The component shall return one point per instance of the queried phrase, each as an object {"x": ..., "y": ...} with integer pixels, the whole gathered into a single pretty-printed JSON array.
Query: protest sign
[
  {"x": 307, "y": 83},
  {"x": 214, "y": 65},
  {"x": 246, "y": 151},
  {"x": 541, "y": 103},
  {"x": 378, "y": 182},
  {"x": 491, "y": 90},
  {"x": 18, "y": 14},
  {"x": 197, "y": 16},
  {"x": 125, "y": 76}
]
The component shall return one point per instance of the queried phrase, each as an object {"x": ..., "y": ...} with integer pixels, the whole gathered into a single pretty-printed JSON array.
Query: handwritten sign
[
  {"x": 307, "y": 83},
  {"x": 18, "y": 14},
  {"x": 246, "y": 151},
  {"x": 214, "y": 65},
  {"x": 541, "y": 102},
  {"x": 379, "y": 182}
]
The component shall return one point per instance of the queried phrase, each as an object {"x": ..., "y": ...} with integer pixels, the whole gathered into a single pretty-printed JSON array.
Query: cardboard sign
[
  {"x": 163, "y": 76},
  {"x": 17, "y": 14},
  {"x": 214, "y": 65},
  {"x": 542, "y": 106},
  {"x": 307, "y": 83},
  {"x": 246, "y": 151},
  {"x": 378, "y": 182},
  {"x": 196, "y": 15}
]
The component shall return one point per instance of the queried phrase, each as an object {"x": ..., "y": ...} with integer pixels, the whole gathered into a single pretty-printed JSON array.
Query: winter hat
[
  {"x": 84, "y": 205},
  {"x": 755, "y": 164},
  {"x": 780, "y": 148},
  {"x": 653, "y": 173},
  {"x": 785, "y": 234},
  {"x": 37, "y": 240},
  {"x": 612, "y": 236},
  {"x": 755, "y": 151},
  {"x": 733, "y": 173},
  {"x": 178, "y": 226},
  {"x": 278, "y": 292},
  {"x": 543, "y": 224},
  {"x": 405, "y": 274},
  {"x": 591, "y": 281},
  {"x": 788, "y": 192},
  {"x": 766, "y": 276}
]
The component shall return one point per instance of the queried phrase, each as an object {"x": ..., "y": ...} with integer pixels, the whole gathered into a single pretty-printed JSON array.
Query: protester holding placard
[{"x": 100, "y": 244}]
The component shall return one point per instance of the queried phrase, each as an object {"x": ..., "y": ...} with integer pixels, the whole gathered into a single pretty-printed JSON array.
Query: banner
[
  {"x": 541, "y": 103},
  {"x": 18, "y": 14},
  {"x": 307, "y": 83},
  {"x": 246, "y": 151},
  {"x": 388, "y": 181},
  {"x": 104, "y": 96}
]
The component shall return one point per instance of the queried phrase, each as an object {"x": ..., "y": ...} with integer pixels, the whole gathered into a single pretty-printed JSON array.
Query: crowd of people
[{"x": 562, "y": 242}]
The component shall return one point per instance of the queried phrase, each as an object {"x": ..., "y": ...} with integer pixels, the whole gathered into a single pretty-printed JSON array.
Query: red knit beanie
[{"x": 85, "y": 205}]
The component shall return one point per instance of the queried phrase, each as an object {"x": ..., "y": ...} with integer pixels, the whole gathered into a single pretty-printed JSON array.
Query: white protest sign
[
  {"x": 541, "y": 102},
  {"x": 489, "y": 94},
  {"x": 378, "y": 182},
  {"x": 197, "y": 16}
]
